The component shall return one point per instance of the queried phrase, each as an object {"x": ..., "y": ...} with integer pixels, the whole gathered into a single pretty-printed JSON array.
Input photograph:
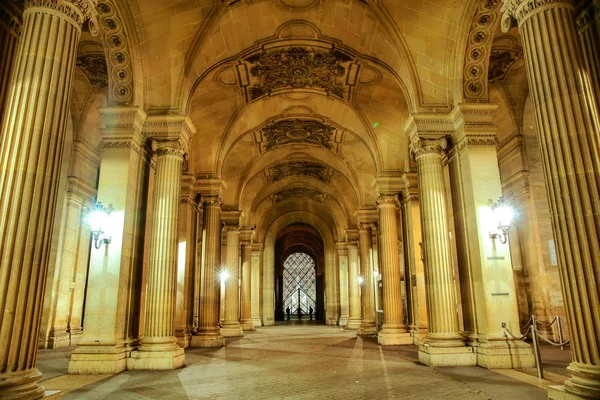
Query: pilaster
[
  {"x": 342, "y": 258},
  {"x": 246, "y": 279},
  {"x": 368, "y": 327},
  {"x": 354, "y": 305},
  {"x": 256, "y": 279},
  {"x": 231, "y": 322}
]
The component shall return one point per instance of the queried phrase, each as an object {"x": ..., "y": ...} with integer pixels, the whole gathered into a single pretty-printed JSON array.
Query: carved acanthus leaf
[{"x": 298, "y": 131}]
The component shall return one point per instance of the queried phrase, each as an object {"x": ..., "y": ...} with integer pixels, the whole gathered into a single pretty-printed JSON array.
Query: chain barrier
[{"x": 532, "y": 328}]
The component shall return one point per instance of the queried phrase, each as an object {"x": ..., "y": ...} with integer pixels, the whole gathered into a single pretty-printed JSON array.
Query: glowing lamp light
[
  {"x": 98, "y": 219},
  {"x": 504, "y": 213},
  {"x": 361, "y": 280},
  {"x": 224, "y": 275}
]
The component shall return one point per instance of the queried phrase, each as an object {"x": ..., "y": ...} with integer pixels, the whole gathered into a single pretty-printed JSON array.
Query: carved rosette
[
  {"x": 421, "y": 147},
  {"x": 521, "y": 10},
  {"x": 77, "y": 10}
]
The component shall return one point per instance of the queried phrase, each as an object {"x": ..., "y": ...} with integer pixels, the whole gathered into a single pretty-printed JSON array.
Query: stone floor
[{"x": 300, "y": 361}]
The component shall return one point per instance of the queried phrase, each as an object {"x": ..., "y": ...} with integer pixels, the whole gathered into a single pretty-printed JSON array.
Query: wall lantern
[
  {"x": 99, "y": 218},
  {"x": 504, "y": 213},
  {"x": 361, "y": 280}
]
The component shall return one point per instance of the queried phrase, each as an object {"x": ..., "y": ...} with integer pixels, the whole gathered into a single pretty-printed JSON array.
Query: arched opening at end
[{"x": 300, "y": 286}]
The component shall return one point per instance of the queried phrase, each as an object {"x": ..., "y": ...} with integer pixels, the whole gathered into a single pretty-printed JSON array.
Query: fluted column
[
  {"x": 569, "y": 138},
  {"x": 10, "y": 30},
  {"x": 588, "y": 24},
  {"x": 354, "y": 318},
  {"x": 393, "y": 331},
  {"x": 159, "y": 348},
  {"x": 31, "y": 149},
  {"x": 256, "y": 279},
  {"x": 367, "y": 293},
  {"x": 246, "y": 292},
  {"x": 231, "y": 323},
  {"x": 443, "y": 346},
  {"x": 208, "y": 332},
  {"x": 342, "y": 258}
]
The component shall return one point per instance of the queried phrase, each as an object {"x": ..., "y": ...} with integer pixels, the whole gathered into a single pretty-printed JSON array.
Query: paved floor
[{"x": 304, "y": 361}]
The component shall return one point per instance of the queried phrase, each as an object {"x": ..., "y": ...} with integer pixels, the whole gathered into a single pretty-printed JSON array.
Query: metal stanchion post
[
  {"x": 536, "y": 348},
  {"x": 560, "y": 333}
]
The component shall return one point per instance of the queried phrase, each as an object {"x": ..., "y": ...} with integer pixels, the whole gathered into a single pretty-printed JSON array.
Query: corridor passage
[{"x": 293, "y": 360}]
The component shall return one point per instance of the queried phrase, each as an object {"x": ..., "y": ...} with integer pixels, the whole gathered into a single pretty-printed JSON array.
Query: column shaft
[
  {"x": 246, "y": 292},
  {"x": 367, "y": 295},
  {"x": 255, "y": 292},
  {"x": 393, "y": 331},
  {"x": 10, "y": 30},
  {"x": 231, "y": 321},
  {"x": 30, "y": 155},
  {"x": 569, "y": 138},
  {"x": 353, "y": 287},
  {"x": 209, "y": 334}
]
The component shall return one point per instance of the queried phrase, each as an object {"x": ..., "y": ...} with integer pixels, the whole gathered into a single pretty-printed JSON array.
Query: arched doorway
[{"x": 300, "y": 283}]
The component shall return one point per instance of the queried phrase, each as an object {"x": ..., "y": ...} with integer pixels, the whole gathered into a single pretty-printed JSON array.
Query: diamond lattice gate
[{"x": 299, "y": 283}]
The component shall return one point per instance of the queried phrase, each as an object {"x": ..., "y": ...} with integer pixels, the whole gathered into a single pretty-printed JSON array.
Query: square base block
[
  {"x": 367, "y": 330},
  {"x": 247, "y": 326},
  {"x": 559, "y": 393},
  {"x": 447, "y": 356},
  {"x": 500, "y": 355},
  {"x": 343, "y": 321},
  {"x": 353, "y": 324},
  {"x": 232, "y": 331},
  {"x": 393, "y": 338},
  {"x": 156, "y": 360},
  {"x": 207, "y": 341},
  {"x": 52, "y": 395},
  {"x": 331, "y": 321},
  {"x": 256, "y": 322},
  {"x": 98, "y": 360},
  {"x": 419, "y": 337}
]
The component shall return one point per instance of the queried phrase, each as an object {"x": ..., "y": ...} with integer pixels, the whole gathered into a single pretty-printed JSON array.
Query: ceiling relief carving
[
  {"x": 298, "y": 68},
  {"x": 94, "y": 68},
  {"x": 297, "y": 192},
  {"x": 505, "y": 54},
  {"x": 309, "y": 169},
  {"x": 298, "y": 131}
]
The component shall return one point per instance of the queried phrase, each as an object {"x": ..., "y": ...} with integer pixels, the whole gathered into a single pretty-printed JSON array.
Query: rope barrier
[{"x": 545, "y": 339}]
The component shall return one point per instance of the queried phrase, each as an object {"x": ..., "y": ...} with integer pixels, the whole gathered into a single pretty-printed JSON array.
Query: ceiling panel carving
[
  {"x": 296, "y": 192},
  {"x": 298, "y": 131},
  {"x": 298, "y": 68},
  {"x": 299, "y": 168}
]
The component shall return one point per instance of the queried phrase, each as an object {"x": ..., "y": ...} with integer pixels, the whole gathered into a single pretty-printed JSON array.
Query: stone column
[
  {"x": 231, "y": 321},
  {"x": 444, "y": 345},
  {"x": 114, "y": 283},
  {"x": 246, "y": 290},
  {"x": 393, "y": 331},
  {"x": 342, "y": 253},
  {"x": 159, "y": 349},
  {"x": 209, "y": 334},
  {"x": 588, "y": 23},
  {"x": 31, "y": 149},
  {"x": 354, "y": 318},
  {"x": 568, "y": 134},
  {"x": 11, "y": 13},
  {"x": 256, "y": 279},
  {"x": 367, "y": 294},
  {"x": 414, "y": 266}
]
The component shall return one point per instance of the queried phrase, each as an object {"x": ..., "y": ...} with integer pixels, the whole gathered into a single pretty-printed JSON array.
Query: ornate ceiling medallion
[
  {"x": 298, "y": 131},
  {"x": 297, "y": 68},
  {"x": 296, "y": 192},
  {"x": 302, "y": 168}
]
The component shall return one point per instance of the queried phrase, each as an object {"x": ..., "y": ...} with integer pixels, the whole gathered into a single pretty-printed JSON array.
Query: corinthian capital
[
  {"x": 420, "y": 147},
  {"x": 169, "y": 148},
  {"x": 520, "y": 10},
  {"x": 387, "y": 199},
  {"x": 78, "y": 10}
]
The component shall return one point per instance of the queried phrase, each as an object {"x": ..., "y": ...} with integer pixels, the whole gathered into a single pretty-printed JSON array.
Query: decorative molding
[
  {"x": 77, "y": 10},
  {"x": 303, "y": 168},
  {"x": 118, "y": 53},
  {"x": 476, "y": 65},
  {"x": 386, "y": 200},
  {"x": 521, "y": 10},
  {"x": 297, "y": 192},
  {"x": 298, "y": 68},
  {"x": 211, "y": 201},
  {"x": 421, "y": 147},
  {"x": 298, "y": 131},
  {"x": 176, "y": 148}
]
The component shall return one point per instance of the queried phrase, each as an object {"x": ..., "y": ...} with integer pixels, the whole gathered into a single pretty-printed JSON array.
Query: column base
[
  {"x": 418, "y": 336},
  {"x": 247, "y": 325},
  {"x": 343, "y": 321},
  {"x": 52, "y": 395},
  {"x": 367, "y": 330},
  {"x": 257, "y": 322},
  {"x": 353, "y": 323},
  {"x": 233, "y": 330},
  {"x": 21, "y": 385},
  {"x": 98, "y": 360},
  {"x": 447, "y": 356},
  {"x": 514, "y": 354},
  {"x": 156, "y": 360},
  {"x": 269, "y": 322},
  {"x": 207, "y": 341},
  {"x": 393, "y": 337},
  {"x": 560, "y": 393},
  {"x": 332, "y": 321}
]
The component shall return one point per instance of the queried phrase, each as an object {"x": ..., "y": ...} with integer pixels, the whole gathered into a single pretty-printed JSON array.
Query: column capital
[
  {"x": 176, "y": 148},
  {"x": 122, "y": 127},
  {"x": 352, "y": 243},
  {"x": 209, "y": 186},
  {"x": 351, "y": 234},
  {"x": 342, "y": 248},
  {"x": 366, "y": 216},
  {"x": 246, "y": 235},
  {"x": 421, "y": 146},
  {"x": 521, "y": 10},
  {"x": 411, "y": 187},
  {"x": 211, "y": 201},
  {"x": 387, "y": 200},
  {"x": 78, "y": 11},
  {"x": 474, "y": 125},
  {"x": 174, "y": 131}
]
